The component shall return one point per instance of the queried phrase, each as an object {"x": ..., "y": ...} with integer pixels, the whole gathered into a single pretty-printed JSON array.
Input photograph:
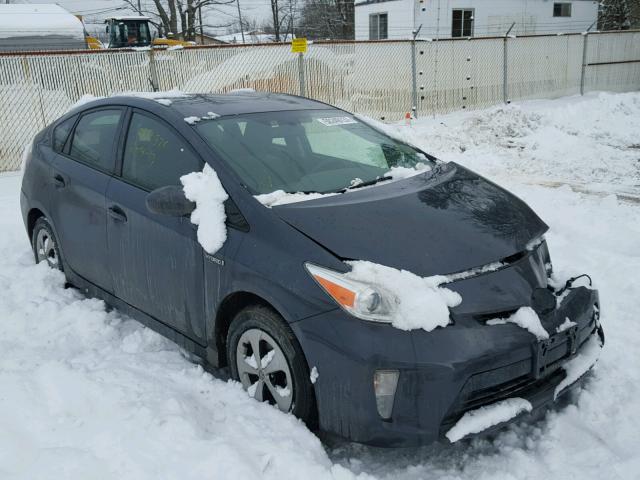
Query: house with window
[{"x": 397, "y": 19}]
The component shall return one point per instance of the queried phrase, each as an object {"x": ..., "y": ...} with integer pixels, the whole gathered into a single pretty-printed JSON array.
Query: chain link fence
[{"x": 385, "y": 80}]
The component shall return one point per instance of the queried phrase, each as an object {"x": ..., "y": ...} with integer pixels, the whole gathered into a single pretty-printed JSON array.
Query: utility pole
[{"x": 240, "y": 18}]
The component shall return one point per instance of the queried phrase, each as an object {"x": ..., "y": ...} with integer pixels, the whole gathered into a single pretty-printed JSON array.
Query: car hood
[{"x": 445, "y": 221}]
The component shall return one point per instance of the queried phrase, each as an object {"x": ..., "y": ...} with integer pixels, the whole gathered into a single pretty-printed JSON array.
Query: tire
[
  {"x": 265, "y": 376},
  {"x": 45, "y": 244}
]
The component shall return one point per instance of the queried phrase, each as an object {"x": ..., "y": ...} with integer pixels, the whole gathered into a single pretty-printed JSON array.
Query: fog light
[{"x": 385, "y": 383}]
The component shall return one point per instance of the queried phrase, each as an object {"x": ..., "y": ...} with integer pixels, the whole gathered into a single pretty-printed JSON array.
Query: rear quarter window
[{"x": 61, "y": 133}]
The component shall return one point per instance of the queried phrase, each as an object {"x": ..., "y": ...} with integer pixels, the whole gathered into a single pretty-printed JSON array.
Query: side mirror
[{"x": 170, "y": 201}]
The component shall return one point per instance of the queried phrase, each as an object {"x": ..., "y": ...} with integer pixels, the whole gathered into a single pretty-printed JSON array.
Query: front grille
[{"x": 474, "y": 395}]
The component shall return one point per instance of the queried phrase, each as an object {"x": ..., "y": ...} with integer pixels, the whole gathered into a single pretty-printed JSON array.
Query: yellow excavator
[{"x": 130, "y": 32}]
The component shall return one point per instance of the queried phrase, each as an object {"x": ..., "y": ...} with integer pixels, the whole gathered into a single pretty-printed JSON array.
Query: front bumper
[{"x": 443, "y": 374}]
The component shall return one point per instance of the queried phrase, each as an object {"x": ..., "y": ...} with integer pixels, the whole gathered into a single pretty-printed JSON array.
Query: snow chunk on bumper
[
  {"x": 420, "y": 301},
  {"x": 526, "y": 318},
  {"x": 482, "y": 418},
  {"x": 204, "y": 188},
  {"x": 580, "y": 364}
]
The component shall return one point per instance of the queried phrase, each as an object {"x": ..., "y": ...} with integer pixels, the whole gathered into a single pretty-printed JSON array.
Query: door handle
[
  {"x": 117, "y": 214},
  {"x": 58, "y": 181}
]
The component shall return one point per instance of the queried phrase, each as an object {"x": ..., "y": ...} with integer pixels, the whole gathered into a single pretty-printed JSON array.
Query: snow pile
[
  {"x": 192, "y": 120},
  {"x": 204, "y": 188},
  {"x": 482, "y": 418},
  {"x": 420, "y": 302},
  {"x": 580, "y": 364},
  {"x": 579, "y": 140},
  {"x": 280, "y": 197},
  {"x": 526, "y": 318}
]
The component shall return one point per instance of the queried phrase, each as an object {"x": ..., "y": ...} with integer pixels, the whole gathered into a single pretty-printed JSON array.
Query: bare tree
[
  {"x": 328, "y": 19},
  {"x": 284, "y": 16},
  {"x": 275, "y": 13},
  {"x": 177, "y": 17},
  {"x": 619, "y": 14}
]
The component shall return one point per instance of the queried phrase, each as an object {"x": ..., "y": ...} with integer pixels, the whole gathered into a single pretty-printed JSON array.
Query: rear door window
[
  {"x": 94, "y": 139},
  {"x": 61, "y": 133},
  {"x": 155, "y": 155}
]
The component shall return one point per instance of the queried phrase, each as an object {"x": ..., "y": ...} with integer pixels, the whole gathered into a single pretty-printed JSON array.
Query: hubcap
[
  {"x": 263, "y": 369},
  {"x": 46, "y": 248}
]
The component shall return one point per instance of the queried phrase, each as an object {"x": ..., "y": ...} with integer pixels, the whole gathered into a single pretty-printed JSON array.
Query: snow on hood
[
  {"x": 482, "y": 418},
  {"x": 204, "y": 188},
  {"x": 446, "y": 221},
  {"x": 419, "y": 302}
]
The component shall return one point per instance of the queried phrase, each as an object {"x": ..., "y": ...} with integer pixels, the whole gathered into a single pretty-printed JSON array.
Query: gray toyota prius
[{"x": 312, "y": 192}]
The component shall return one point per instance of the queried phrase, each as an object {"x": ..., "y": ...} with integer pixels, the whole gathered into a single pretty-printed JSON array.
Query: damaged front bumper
[{"x": 444, "y": 374}]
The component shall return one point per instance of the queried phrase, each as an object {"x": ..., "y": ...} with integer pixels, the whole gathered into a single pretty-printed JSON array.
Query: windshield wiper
[{"x": 368, "y": 183}]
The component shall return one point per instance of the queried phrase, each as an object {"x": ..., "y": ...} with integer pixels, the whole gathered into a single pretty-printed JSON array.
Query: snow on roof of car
[
  {"x": 24, "y": 20},
  {"x": 202, "y": 107},
  {"x": 199, "y": 105}
]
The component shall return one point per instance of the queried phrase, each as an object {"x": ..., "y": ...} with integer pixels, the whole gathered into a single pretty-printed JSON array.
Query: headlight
[{"x": 360, "y": 299}]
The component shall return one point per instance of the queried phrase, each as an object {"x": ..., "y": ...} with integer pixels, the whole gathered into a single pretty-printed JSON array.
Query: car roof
[{"x": 202, "y": 105}]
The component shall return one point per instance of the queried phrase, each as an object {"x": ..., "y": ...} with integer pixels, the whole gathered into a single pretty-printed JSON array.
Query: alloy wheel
[
  {"x": 263, "y": 369},
  {"x": 46, "y": 248}
]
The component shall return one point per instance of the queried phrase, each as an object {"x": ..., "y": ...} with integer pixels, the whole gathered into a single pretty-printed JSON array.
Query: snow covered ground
[{"x": 90, "y": 394}]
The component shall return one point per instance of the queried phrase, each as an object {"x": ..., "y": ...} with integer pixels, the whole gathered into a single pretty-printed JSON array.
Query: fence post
[
  {"x": 153, "y": 78},
  {"x": 505, "y": 76},
  {"x": 301, "y": 74},
  {"x": 584, "y": 57},
  {"x": 414, "y": 74}
]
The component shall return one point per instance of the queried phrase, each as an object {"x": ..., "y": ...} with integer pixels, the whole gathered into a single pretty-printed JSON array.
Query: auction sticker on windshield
[{"x": 333, "y": 121}]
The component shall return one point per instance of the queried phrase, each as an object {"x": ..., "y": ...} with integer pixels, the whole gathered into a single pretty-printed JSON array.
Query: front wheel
[
  {"x": 45, "y": 245},
  {"x": 266, "y": 358}
]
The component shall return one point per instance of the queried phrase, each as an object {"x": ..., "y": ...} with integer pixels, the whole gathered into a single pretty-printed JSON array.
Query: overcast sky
[{"x": 94, "y": 11}]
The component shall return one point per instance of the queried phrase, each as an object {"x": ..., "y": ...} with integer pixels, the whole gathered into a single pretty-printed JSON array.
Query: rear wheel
[
  {"x": 266, "y": 358},
  {"x": 45, "y": 245}
]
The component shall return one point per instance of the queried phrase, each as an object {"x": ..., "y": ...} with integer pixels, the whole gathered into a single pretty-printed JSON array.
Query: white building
[
  {"x": 396, "y": 19},
  {"x": 39, "y": 27}
]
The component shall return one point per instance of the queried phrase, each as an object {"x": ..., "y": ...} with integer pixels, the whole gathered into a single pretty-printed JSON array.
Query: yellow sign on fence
[{"x": 299, "y": 45}]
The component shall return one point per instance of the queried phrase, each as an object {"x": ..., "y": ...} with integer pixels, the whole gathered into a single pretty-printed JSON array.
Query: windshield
[
  {"x": 305, "y": 151},
  {"x": 130, "y": 33}
]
